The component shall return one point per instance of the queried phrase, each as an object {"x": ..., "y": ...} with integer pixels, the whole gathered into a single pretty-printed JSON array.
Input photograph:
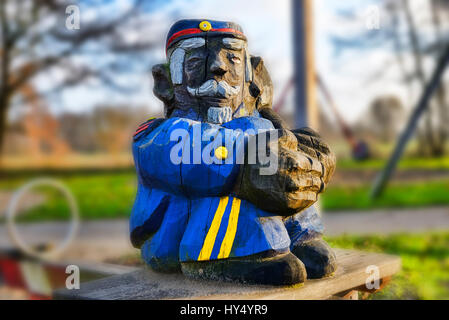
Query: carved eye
[
  {"x": 234, "y": 59},
  {"x": 194, "y": 60}
]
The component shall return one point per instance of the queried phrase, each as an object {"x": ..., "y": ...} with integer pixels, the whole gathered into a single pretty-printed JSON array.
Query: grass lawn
[
  {"x": 111, "y": 195},
  {"x": 99, "y": 196},
  {"x": 425, "y": 263},
  {"x": 405, "y": 163},
  {"x": 405, "y": 194}
]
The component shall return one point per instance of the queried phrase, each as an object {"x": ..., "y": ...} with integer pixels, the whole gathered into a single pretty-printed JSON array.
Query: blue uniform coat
[{"x": 185, "y": 209}]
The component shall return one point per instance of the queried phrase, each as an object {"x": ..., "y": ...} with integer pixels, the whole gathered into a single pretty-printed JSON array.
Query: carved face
[
  {"x": 212, "y": 74},
  {"x": 209, "y": 73}
]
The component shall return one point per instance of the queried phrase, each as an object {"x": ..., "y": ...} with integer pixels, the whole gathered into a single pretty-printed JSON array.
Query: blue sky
[{"x": 267, "y": 24}]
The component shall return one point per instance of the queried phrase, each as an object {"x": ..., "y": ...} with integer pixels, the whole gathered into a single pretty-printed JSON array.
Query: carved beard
[
  {"x": 219, "y": 115},
  {"x": 212, "y": 88}
]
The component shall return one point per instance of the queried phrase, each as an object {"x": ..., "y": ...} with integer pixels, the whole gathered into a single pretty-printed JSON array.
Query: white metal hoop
[{"x": 12, "y": 210}]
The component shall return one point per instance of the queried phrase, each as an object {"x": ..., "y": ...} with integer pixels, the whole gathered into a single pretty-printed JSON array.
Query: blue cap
[{"x": 189, "y": 28}]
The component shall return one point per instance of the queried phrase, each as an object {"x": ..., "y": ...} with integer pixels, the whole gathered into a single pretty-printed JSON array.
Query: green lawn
[
  {"x": 99, "y": 196},
  {"x": 405, "y": 163},
  {"x": 425, "y": 263},
  {"x": 409, "y": 194},
  {"x": 111, "y": 195}
]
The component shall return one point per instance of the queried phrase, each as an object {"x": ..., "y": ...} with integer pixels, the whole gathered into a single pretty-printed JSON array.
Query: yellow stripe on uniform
[
  {"x": 208, "y": 245},
  {"x": 226, "y": 244}
]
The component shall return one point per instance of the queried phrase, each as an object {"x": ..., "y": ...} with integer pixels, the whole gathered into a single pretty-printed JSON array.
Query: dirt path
[
  {"x": 386, "y": 221},
  {"x": 96, "y": 241}
]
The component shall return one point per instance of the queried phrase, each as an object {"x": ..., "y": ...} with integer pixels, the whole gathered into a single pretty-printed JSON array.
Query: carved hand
[{"x": 305, "y": 165}]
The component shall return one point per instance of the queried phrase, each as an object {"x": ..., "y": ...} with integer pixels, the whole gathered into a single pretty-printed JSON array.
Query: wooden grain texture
[{"x": 146, "y": 284}]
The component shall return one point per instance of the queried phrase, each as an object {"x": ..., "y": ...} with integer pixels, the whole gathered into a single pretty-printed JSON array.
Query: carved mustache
[{"x": 212, "y": 88}]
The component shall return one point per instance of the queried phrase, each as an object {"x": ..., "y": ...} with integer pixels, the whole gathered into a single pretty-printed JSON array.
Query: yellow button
[
  {"x": 205, "y": 25},
  {"x": 221, "y": 153}
]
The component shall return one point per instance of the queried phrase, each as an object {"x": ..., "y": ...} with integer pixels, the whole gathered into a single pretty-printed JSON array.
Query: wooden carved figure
[{"x": 225, "y": 188}]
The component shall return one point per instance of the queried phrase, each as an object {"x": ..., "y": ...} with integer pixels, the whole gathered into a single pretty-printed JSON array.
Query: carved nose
[{"x": 218, "y": 67}]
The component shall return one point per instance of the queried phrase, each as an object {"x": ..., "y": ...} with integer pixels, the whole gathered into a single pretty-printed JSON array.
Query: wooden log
[{"x": 146, "y": 284}]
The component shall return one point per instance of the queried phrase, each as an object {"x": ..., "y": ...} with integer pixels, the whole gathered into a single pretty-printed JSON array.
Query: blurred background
[{"x": 75, "y": 82}]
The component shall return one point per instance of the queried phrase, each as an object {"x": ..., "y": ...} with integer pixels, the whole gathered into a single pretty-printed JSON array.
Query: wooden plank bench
[{"x": 348, "y": 280}]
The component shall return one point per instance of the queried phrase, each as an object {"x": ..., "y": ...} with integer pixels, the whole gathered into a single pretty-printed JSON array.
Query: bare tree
[
  {"x": 398, "y": 15},
  {"x": 35, "y": 40},
  {"x": 433, "y": 139},
  {"x": 113, "y": 125},
  {"x": 385, "y": 116},
  {"x": 427, "y": 139}
]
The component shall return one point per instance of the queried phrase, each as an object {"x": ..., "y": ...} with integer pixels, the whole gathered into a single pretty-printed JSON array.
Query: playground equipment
[
  {"x": 11, "y": 219},
  {"x": 383, "y": 177},
  {"x": 34, "y": 268},
  {"x": 359, "y": 148}
]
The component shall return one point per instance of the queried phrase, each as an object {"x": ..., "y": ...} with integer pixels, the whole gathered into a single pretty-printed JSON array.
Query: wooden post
[{"x": 306, "y": 112}]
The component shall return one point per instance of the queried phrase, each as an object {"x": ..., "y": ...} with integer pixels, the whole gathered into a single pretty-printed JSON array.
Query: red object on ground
[{"x": 12, "y": 275}]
